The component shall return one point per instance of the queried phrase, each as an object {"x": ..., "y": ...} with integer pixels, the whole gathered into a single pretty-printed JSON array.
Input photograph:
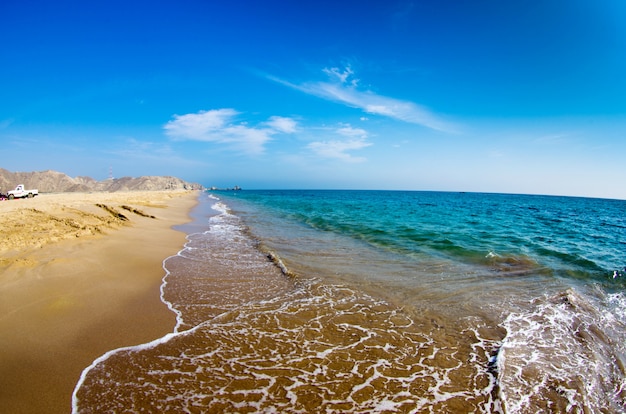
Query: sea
[{"x": 383, "y": 302}]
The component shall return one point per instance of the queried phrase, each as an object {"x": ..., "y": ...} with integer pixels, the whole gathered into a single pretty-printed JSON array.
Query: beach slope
[{"x": 80, "y": 275}]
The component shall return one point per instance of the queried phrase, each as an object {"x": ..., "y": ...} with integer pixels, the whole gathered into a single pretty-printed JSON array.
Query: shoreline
[{"x": 76, "y": 281}]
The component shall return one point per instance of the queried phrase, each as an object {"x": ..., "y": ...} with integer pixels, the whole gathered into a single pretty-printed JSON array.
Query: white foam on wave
[
  {"x": 350, "y": 351},
  {"x": 109, "y": 354},
  {"x": 563, "y": 354},
  {"x": 217, "y": 224},
  {"x": 220, "y": 207},
  {"x": 315, "y": 339},
  {"x": 170, "y": 306}
]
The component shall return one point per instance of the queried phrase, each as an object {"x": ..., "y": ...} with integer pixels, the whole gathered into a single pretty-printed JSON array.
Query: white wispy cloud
[
  {"x": 355, "y": 139},
  {"x": 282, "y": 124},
  {"x": 343, "y": 88},
  {"x": 218, "y": 126},
  {"x": 349, "y": 131},
  {"x": 342, "y": 76},
  {"x": 557, "y": 139}
]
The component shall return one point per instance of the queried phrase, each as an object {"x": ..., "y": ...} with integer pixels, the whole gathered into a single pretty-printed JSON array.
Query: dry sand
[{"x": 77, "y": 280}]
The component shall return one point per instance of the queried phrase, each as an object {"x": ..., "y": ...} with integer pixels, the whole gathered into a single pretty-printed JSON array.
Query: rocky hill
[{"x": 57, "y": 182}]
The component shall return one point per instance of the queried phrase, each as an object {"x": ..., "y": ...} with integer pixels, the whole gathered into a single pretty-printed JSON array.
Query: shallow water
[{"x": 356, "y": 301}]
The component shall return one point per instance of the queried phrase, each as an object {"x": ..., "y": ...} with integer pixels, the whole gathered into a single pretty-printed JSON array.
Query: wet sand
[{"x": 80, "y": 275}]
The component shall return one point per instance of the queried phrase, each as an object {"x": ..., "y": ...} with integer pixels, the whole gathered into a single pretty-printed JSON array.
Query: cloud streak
[
  {"x": 355, "y": 139},
  {"x": 218, "y": 126},
  {"x": 343, "y": 88}
]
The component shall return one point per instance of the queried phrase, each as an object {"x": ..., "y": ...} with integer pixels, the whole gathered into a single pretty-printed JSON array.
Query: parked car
[{"x": 20, "y": 192}]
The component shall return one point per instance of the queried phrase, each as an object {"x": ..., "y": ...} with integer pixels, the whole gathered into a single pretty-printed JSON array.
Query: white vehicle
[{"x": 20, "y": 192}]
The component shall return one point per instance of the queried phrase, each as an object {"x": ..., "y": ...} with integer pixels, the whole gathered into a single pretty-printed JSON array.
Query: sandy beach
[{"x": 80, "y": 275}]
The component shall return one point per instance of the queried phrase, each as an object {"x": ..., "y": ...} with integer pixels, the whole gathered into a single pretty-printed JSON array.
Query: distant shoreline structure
[{"x": 235, "y": 188}]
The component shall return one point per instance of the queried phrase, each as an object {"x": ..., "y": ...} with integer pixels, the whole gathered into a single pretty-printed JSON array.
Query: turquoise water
[
  {"x": 415, "y": 240},
  {"x": 575, "y": 237},
  {"x": 376, "y": 301}
]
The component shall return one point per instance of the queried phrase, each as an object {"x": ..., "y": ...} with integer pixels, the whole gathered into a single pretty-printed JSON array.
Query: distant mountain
[{"x": 56, "y": 182}]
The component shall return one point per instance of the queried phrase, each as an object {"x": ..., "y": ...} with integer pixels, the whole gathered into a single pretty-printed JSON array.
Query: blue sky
[{"x": 494, "y": 96}]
